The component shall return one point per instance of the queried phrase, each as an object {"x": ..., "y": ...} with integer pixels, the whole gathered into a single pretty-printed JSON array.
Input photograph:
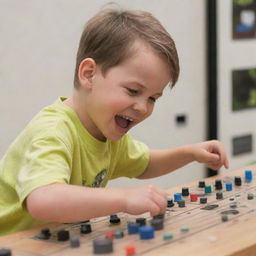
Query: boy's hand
[
  {"x": 143, "y": 199},
  {"x": 211, "y": 153}
]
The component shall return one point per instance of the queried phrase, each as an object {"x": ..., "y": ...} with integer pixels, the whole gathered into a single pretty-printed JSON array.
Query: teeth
[{"x": 127, "y": 118}]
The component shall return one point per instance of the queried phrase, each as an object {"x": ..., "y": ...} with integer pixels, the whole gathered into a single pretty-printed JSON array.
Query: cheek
[
  {"x": 119, "y": 101},
  {"x": 111, "y": 106},
  {"x": 117, "y": 105},
  {"x": 150, "y": 109}
]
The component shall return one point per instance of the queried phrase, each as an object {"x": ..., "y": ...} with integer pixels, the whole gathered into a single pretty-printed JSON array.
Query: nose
[{"x": 141, "y": 107}]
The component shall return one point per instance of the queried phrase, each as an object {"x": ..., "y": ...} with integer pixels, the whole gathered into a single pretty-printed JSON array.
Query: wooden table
[{"x": 196, "y": 231}]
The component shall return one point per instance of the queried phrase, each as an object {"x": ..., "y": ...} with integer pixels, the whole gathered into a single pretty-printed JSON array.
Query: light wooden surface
[{"x": 208, "y": 235}]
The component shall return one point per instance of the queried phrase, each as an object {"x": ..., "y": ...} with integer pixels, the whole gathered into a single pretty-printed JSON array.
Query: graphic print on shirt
[{"x": 99, "y": 179}]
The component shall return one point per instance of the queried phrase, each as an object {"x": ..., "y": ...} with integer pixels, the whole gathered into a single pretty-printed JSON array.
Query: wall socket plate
[{"x": 242, "y": 144}]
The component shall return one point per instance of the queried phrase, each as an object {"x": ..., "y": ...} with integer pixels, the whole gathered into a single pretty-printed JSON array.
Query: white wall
[
  {"x": 233, "y": 54},
  {"x": 38, "y": 45}
]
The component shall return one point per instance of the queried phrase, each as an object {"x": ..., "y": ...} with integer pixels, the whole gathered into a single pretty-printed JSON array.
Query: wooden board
[{"x": 205, "y": 234}]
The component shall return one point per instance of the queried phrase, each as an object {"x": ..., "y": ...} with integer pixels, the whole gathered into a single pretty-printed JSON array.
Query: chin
[{"x": 115, "y": 137}]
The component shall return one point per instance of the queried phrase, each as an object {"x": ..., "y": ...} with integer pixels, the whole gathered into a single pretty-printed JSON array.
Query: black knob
[
  {"x": 218, "y": 184},
  {"x": 224, "y": 218},
  {"x": 101, "y": 246},
  {"x": 203, "y": 200},
  {"x": 157, "y": 224},
  {"x": 250, "y": 196},
  {"x": 114, "y": 219},
  {"x": 74, "y": 242},
  {"x": 141, "y": 221},
  {"x": 5, "y": 252},
  {"x": 238, "y": 181},
  {"x": 185, "y": 191},
  {"x": 219, "y": 195},
  {"x": 170, "y": 203},
  {"x": 45, "y": 234},
  {"x": 63, "y": 235},
  {"x": 201, "y": 184},
  {"x": 86, "y": 228},
  {"x": 181, "y": 203}
]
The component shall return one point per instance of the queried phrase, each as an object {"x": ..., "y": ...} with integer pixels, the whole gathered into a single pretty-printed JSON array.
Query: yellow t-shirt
[{"x": 56, "y": 148}]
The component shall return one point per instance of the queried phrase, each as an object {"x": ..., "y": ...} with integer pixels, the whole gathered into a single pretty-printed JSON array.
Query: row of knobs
[
  {"x": 101, "y": 246},
  {"x": 208, "y": 190},
  {"x": 146, "y": 232}
]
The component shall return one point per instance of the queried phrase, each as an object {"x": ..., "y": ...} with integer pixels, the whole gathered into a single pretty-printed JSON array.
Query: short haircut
[{"x": 109, "y": 35}]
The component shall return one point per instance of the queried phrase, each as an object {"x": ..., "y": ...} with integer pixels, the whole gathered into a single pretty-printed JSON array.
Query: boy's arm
[
  {"x": 162, "y": 162},
  {"x": 70, "y": 203}
]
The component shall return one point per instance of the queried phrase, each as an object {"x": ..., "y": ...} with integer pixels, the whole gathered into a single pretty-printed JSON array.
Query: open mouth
[{"x": 123, "y": 121}]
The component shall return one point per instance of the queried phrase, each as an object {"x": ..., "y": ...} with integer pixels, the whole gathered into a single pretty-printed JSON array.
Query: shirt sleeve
[
  {"x": 132, "y": 159},
  {"x": 47, "y": 160}
]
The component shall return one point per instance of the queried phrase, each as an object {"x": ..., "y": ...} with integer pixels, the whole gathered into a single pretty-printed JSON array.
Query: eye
[
  {"x": 152, "y": 99},
  {"x": 132, "y": 91}
]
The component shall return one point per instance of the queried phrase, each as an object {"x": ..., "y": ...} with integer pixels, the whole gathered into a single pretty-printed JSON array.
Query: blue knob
[
  {"x": 177, "y": 197},
  {"x": 228, "y": 186},
  {"x": 146, "y": 232},
  {"x": 133, "y": 227},
  {"x": 248, "y": 175}
]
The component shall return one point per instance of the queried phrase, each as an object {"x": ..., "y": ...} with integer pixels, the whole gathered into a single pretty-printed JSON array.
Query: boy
[{"x": 57, "y": 168}]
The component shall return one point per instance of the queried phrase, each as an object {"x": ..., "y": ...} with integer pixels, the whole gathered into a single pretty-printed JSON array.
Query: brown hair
[{"x": 109, "y": 35}]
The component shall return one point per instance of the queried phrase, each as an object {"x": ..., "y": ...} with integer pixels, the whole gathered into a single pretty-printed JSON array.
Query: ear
[{"x": 87, "y": 69}]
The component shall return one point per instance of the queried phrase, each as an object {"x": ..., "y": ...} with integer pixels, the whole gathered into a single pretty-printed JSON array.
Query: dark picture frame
[
  {"x": 244, "y": 19},
  {"x": 243, "y": 89}
]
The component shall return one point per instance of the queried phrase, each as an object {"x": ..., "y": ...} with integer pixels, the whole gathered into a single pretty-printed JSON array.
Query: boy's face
[{"x": 126, "y": 94}]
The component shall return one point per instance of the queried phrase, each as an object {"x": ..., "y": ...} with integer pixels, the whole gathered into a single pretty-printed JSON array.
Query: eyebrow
[{"x": 142, "y": 86}]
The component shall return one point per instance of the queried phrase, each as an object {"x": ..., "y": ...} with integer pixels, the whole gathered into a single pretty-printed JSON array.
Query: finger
[
  {"x": 226, "y": 164},
  {"x": 225, "y": 160},
  {"x": 212, "y": 157},
  {"x": 222, "y": 162},
  {"x": 161, "y": 192},
  {"x": 153, "y": 189},
  {"x": 214, "y": 166},
  {"x": 161, "y": 201},
  {"x": 222, "y": 154},
  {"x": 154, "y": 209},
  {"x": 157, "y": 201}
]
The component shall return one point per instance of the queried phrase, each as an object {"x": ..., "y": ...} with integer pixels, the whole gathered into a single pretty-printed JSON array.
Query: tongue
[{"x": 122, "y": 122}]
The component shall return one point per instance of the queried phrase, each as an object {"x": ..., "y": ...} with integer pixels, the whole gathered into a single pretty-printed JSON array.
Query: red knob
[
  {"x": 193, "y": 197},
  {"x": 130, "y": 250}
]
